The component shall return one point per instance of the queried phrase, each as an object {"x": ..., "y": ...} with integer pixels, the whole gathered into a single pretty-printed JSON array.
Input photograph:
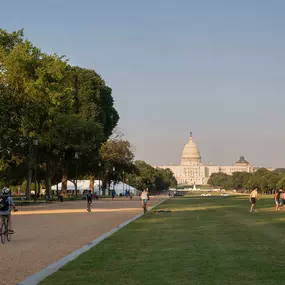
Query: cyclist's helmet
[{"x": 5, "y": 191}]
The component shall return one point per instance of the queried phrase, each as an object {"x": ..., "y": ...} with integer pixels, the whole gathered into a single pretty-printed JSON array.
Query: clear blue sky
[{"x": 216, "y": 68}]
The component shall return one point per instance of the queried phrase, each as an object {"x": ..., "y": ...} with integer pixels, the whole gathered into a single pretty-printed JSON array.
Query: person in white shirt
[{"x": 144, "y": 197}]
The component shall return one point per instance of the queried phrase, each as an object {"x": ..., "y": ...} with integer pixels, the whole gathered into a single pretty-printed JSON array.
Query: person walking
[
  {"x": 252, "y": 198},
  {"x": 277, "y": 199},
  {"x": 282, "y": 199},
  {"x": 113, "y": 194}
]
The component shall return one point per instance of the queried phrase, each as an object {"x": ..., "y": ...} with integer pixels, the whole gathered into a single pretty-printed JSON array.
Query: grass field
[{"x": 205, "y": 240}]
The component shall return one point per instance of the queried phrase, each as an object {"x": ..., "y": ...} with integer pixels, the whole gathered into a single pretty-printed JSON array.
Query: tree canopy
[
  {"x": 56, "y": 123},
  {"x": 264, "y": 179},
  {"x": 149, "y": 177},
  {"x": 68, "y": 109}
]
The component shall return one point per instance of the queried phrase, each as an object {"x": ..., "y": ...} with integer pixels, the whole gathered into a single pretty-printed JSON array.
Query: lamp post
[
  {"x": 114, "y": 170},
  {"x": 123, "y": 182},
  {"x": 35, "y": 144},
  {"x": 76, "y": 156},
  {"x": 127, "y": 182},
  {"x": 99, "y": 166}
]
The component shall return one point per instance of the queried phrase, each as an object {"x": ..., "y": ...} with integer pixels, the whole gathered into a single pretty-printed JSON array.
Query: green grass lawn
[{"x": 206, "y": 240}]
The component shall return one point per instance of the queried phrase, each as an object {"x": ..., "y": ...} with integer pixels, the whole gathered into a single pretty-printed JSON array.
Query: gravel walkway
[{"x": 47, "y": 233}]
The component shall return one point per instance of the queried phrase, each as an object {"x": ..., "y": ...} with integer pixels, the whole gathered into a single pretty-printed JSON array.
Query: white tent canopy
[{"x": 83, "y": 185}]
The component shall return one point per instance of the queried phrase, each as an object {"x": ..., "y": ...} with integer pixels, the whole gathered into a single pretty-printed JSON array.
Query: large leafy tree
[
  {"x": 32, "y": 81},
  {"x": 69, "y": 109},
  {"x": 116, "y": 156},
  {"x": 145, "y": 176},
  {"x": 92, "y": 98},
  {"x": 94, "y": 106},
  {"x": 220, "y": 179}
]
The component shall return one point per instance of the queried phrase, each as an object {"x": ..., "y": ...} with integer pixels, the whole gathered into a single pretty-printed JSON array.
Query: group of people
[
  {"x": 89, "y": 197},
  {"x": 279, "y": 199}
]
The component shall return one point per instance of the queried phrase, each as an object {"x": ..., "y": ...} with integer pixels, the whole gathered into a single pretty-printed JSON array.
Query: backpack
[
  {"x": 89, "y": 196},
  {"x": 4, "y": 204}
]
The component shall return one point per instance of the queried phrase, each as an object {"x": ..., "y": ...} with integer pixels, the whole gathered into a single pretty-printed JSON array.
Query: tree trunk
[
  {"x": 57, "y": 192},
  {"x": 103, "y": 187},
  {"x": 75, "y": 185},
  {"x": 64, "y": 176},
  {"x": 29, "y": 184},
  {"x": 109, "y": 189},
  {"x": 91, "y": 183},
  {"x": 39, "y": 188},
  {"x": 48, "y": 181},
  {"x": 64, "y": 183}
]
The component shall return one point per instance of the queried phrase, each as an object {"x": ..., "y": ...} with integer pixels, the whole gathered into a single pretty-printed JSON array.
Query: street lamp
[
  {"x": 76, "y": 156},
  {"x": 127, "y": 182},
  {"x": 114, "y": 169},
  {"x": 123, "y": 182},
  {"x": 35, "y": 144}
]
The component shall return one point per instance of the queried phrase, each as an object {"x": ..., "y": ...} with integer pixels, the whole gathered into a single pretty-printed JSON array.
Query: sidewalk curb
[{"x": 50, "y": 269}]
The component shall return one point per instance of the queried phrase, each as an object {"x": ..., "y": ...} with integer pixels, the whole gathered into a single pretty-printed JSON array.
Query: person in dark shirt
[
  {"x": 89, "y": 200},
  {"x": 113, "y": 194}
]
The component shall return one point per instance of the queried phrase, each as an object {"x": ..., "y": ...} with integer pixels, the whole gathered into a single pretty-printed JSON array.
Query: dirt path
[{"x": 45, "y": 234}]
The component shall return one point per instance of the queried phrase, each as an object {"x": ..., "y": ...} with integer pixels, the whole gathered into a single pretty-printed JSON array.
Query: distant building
[{"x": 192, "y": 172}]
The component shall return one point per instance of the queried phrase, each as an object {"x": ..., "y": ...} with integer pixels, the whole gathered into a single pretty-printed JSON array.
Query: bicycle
[
  {"x": 4, "y": 230},
  {"x": 144, "y": 206},
  {"x": 5, "y": 235},
  {"x": 89, "y": 204}
]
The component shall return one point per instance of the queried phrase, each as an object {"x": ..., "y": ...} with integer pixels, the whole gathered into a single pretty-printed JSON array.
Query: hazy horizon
[{"x": 215, "y": 68}]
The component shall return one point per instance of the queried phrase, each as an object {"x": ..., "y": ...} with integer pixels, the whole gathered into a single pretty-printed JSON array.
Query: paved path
[{"x": 45, "y": 234}]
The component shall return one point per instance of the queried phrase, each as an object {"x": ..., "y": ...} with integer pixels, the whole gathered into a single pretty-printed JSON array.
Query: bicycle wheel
[
  {"x": 88, "y": 207},
  {"x": 3, "y": 235},
  {"x": 8, "y": 235}
]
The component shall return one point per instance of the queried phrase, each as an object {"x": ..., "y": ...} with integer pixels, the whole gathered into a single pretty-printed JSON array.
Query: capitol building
[{"x": 192, "y": 172}]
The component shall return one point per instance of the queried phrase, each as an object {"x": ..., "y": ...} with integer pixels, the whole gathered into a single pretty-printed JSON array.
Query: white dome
[{"x": 191, "y": 154}]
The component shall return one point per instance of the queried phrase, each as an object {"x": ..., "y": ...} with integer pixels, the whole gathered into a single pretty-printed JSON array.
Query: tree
[
  {"x": 145, "y": 176},
  {"x": 281, "y": 183},
  {"x": 240, "y": 179},
  {"x": 221, "y": 180},
  {"x": 165, "y": 179},
  {"x": 69, "y": 109},
  {"x": 33, "y": 82},
  {"x": 116, "y": 156}
]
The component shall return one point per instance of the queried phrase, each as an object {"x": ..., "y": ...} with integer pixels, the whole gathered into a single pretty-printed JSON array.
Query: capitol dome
[{"x": 191, "y": 154}]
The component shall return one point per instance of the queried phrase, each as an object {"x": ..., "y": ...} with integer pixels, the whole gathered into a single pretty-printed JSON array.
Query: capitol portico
[{"x": 192, "y": 172}]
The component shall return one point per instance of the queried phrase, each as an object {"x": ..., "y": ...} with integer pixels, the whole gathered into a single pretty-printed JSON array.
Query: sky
[{"x": 215, "y": 68}]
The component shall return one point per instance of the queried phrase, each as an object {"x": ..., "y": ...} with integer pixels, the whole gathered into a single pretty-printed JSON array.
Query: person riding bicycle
[
  {"x": 6, "y": 203},
  {"x": 144, "y": 197},
  {"x": 89, "y": 200}
]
